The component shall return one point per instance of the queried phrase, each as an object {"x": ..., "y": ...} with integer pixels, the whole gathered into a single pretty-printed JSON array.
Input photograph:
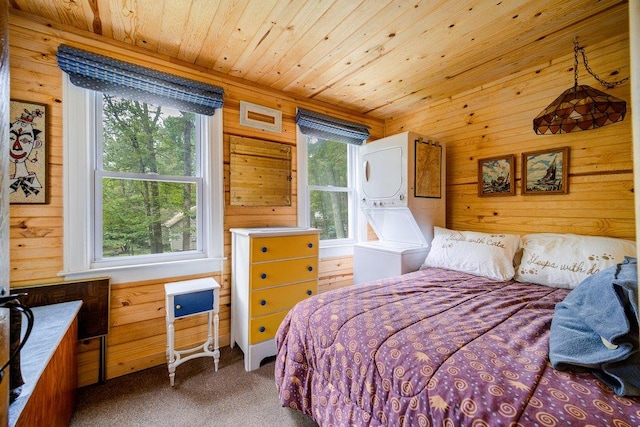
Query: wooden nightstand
[{"x": 188, "y": 298}]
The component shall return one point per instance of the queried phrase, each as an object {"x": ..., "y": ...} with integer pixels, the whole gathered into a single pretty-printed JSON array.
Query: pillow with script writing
[
  {"x": 481, "y": 254},
  {"x": 565, "y": 260}
]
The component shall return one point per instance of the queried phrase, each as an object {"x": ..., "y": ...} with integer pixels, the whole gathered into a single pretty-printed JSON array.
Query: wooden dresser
[{"x": 272, "y": 270}]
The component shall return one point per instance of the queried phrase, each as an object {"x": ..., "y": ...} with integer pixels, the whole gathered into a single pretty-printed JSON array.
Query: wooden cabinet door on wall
[{"x": 260, "y": 172}]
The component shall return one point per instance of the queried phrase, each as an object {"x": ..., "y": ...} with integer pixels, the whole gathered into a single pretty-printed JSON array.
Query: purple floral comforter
[{"x": 433, "y": 348}]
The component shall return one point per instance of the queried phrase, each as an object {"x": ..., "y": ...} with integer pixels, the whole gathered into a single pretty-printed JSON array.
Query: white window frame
[
  {"x": 79, "y": 134},
  {"x": 357, "y": 220}
]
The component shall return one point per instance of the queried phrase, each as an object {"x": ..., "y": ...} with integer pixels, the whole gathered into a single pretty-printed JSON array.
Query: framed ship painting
[
  {"x": 496, "y": 176},
  {"x": 546, "y": 171},
  {"x": 27, "y": 152}
]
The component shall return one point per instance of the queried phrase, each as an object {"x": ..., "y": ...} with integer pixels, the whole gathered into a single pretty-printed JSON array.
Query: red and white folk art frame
[{"x": 27, "y": 152}]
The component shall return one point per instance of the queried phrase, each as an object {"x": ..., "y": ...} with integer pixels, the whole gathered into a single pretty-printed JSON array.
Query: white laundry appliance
[{"x": 402, "y": 193}]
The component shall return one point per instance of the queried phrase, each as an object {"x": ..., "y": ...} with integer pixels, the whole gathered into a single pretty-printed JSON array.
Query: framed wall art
[
  {"x": 428, "y": 166},
  {"x": 27, "y": 152},
  {"x": 546, "y": 171},
  {"x": 496, "y": 176}
]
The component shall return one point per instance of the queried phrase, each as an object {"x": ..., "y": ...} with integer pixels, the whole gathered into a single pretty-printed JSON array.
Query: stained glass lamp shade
[{"x": 579, "y": 108}]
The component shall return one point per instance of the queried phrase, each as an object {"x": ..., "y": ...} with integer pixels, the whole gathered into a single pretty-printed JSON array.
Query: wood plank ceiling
[{"x": 379, "y": 57}]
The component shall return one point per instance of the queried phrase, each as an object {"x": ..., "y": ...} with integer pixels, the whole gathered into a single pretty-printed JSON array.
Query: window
[
  {"x": 330, "y": 188},
  {"x": 327, "y": 197},
  {"x": 143, "y": 188},
  {"x": 148, "y": 180}
]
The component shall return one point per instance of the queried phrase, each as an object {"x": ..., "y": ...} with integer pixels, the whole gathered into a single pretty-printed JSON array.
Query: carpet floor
[{"x": 200, "y": 397}]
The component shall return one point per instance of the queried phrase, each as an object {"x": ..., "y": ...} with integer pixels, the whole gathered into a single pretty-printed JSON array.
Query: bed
[{"x": 443, "y": 346}]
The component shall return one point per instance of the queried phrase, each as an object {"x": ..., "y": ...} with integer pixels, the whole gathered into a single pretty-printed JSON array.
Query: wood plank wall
[
  {"x": 137, "y": 337},
  {"x": 497, "y": 119}
]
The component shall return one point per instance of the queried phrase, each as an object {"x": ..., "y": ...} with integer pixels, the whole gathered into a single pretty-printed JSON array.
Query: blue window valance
[
  {"x": 103, "y": 74},
  {"x": 327, "y": 127}
]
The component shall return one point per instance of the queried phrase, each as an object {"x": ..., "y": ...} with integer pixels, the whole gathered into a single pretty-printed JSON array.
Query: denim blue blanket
[{"x": 596, "y": 328}]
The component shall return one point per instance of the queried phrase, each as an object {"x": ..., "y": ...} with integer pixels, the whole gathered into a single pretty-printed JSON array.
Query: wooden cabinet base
[
  {"x": 53, "y": 399},
  {"x": 49, "y": 368},
  {"x": 4, "y": 356}
]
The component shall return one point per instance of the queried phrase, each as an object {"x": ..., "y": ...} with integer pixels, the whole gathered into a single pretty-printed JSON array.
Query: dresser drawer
[
  {"x": 267, "y": 274},
  {"x": 265, "y": 327},
  {"x": 273, "y": 248},
  {"x": 270, "y": 300}
]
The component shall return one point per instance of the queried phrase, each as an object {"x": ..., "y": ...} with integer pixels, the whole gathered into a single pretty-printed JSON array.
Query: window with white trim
[
  {"x": 148, "y": 180},
  {"x": 330, "y": 188},
  {"x": 143, "y": 188},
  {"x": 327, "y": 198}
]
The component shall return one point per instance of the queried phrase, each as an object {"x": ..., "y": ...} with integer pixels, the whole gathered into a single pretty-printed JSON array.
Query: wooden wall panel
[
  {"x": 260, "y": 172},
  {"x": 88, "y": 362},
  {"x": 497, "y": 119},
  {"x": 335, "y": 273},
  {"x": 137, "y": 338}
]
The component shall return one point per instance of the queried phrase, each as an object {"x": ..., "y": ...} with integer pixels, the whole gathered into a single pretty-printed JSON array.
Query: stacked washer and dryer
[{"x": 402, "y": 193}]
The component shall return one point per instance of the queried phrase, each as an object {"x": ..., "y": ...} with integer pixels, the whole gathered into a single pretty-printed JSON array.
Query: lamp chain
[{"x": 576, "y": 49}]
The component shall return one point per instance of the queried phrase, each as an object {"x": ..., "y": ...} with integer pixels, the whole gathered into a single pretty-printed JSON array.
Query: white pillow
[
  {"x": 481, "y": 254},
  {"x": 565, "y": 260}
]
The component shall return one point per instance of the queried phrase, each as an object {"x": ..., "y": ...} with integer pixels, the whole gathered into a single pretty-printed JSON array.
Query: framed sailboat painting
[
  {"x": 496, "y": 176},
  {"x": 546, "y": 171}
]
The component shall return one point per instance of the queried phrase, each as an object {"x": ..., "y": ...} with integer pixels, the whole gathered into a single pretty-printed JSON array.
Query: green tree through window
[
  {"x": 327, "y": 169},
  {"x": 148, "y": 178}
]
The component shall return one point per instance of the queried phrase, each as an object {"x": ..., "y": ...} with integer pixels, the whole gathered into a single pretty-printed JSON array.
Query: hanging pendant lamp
[{"x": 581, "y": 107}]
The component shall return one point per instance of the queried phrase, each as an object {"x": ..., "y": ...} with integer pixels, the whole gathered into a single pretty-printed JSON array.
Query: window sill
[
  {"x": 135, "y": 273},
  {"x": 331, "y": 251}
]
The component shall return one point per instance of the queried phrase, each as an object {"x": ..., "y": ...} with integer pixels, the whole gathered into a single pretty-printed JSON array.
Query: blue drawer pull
[
  {"x": 263, "y": 302},
  {"x": 262, "y": 329},
  {"x": 309, "y": 292},
  {"x": 264, "y": 249},
  {"x": 310, "y": 268},
  {"x": 310, "y": 245},
  {"x": 263, "y": 276}
]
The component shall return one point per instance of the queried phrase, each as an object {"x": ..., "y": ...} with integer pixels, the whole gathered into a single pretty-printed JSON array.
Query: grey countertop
[{"x": 50, "y": 324}]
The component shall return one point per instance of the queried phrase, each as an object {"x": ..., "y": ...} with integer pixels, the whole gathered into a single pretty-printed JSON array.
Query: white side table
[{"x": 188, "y": 298}]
